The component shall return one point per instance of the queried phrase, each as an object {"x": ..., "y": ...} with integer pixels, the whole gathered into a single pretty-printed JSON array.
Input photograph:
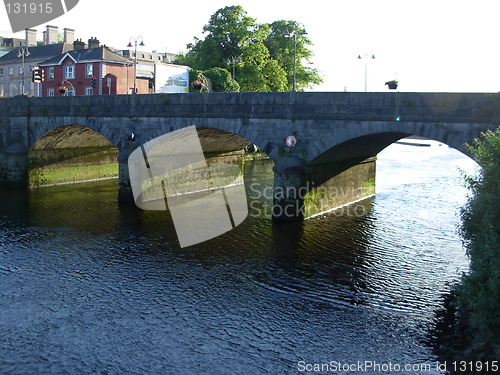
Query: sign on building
[{"x": 171, "y": 78}]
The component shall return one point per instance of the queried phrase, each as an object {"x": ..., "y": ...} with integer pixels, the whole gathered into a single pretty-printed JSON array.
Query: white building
[{"x": 164, "y": 76}]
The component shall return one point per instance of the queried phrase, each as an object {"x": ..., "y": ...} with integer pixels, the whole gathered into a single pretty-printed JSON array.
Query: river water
[{"x": 92, "y": 287}]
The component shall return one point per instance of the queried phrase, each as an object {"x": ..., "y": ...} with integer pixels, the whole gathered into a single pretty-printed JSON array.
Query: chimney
[
  {"x": 51, "y": 35},
  {"x": 93, "y": 43},
  {"x": 30, "y": 37},
  {"x": 69, "y": 35},
  {"x": 78, "y": 45}
]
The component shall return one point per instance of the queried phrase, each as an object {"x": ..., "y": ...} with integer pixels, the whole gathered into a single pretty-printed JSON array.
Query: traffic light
[
  {"x": 93, "y": 81},
  {"x": 37, "y": 74},
  {"x": 43, "y": 74}
]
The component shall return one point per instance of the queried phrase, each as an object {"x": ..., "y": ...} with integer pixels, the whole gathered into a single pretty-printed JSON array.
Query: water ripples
[{"x": 89, "y": 287}]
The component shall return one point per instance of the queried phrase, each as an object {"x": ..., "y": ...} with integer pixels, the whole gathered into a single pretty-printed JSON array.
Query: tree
[
  {"x": 281, "y": 48},
  {"x": 231, "y": 32},
  {"x": 228, "y": 30}
]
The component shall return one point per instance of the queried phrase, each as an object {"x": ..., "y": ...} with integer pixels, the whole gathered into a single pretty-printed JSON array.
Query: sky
[{"x": 427, "y": 45}]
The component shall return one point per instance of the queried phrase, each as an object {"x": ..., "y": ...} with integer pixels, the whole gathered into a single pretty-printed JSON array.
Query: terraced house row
[{"x": 61, "y": 65}]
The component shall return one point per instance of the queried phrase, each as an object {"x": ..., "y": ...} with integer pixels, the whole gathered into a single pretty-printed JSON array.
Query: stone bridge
[{"x": 333, "y": 131}]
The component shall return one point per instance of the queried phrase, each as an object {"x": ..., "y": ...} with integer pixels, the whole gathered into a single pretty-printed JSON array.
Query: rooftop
[
  {"x": 102, "y": 53},
  {"x": 36, "y": 53}
]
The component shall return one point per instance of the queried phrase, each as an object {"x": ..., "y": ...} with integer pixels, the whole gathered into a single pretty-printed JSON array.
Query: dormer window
[{"x": 69, "y": 71}]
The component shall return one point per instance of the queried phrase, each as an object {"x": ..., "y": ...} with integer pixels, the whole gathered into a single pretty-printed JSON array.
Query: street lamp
[
  {"x": 366, "y": 66},
  {"x": 294, "y": 33},
  {"x": 232, "y": 60},
  {"x": 23, "y": 52},
  {"x": 135, "y": 57}
]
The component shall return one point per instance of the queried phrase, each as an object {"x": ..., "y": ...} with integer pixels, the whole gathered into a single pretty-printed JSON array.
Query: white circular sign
[{"x": 291, "y": 141}]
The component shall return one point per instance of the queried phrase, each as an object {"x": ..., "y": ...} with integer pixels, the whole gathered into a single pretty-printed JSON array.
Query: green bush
[
  {"x": 479, "y": 291},
  {"x": 221, "y": 80}
]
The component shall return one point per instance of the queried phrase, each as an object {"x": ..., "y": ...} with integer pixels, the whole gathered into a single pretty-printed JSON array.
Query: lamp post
[
  {"x": 136, "y": 40},
  {"x": 232, "y": 60},
  {"x": 23, "y": 52},
  {"x": 294, "y": 33},
  {"x": 366, "y": 66}
]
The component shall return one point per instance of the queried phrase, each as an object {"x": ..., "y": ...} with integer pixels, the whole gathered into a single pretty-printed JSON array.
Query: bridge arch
[
  {"x": 368, "y": 142},
  {"x": 229, "y": 132},
  {"x": 72, "y": 127},
  {"x": 69, "y": 136},
  {"x": 353, "y": 151},
  {"x": 366, "y": 139},
  {"x": 219, "y": 142},
  {"x": 71, "y": 153}
]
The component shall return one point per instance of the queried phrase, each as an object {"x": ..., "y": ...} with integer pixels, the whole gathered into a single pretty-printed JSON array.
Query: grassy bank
[
  {"x": 70, "y": 165},
  {"x": 43, "y": 176}
]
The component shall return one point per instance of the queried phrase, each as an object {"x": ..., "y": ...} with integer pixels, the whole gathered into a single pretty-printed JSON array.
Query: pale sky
[{"x": 428, "y": 45}]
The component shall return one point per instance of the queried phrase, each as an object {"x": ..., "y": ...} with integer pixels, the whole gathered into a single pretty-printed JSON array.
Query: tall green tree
[
  {"x": 231, "y": 32},
  {"x": 227, "y": 32}
]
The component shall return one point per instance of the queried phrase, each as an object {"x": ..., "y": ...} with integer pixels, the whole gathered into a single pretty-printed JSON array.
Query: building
[
  {"x": 91, "y": 70},
  {"x": 151, "y": 57},
  {"x": 8, "y": 44},
  {"x": 163, "y": 76},
  {"x": 16, "y": 65}
]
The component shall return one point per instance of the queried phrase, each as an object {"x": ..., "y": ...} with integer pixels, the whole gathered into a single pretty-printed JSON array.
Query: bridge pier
[
  {"x": 125, "y": 194},
  {"x": 290, "y": 179},
  {"x": 15, "y": 167},
  {"x": 304, "y": 191}
]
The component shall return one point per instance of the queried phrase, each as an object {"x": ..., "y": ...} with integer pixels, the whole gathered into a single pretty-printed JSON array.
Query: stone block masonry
[{"x": 338, "y": 130}]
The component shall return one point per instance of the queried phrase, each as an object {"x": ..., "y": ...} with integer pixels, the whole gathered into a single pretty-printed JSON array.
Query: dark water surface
[{"x": 88, "y": 286}]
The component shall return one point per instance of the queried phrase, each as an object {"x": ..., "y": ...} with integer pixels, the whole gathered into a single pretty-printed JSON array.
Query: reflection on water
[{"x": 90, "y": 286}]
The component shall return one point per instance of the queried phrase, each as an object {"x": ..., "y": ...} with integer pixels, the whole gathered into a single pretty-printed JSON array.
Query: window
[
  {"x": 13, "y": 90},
  {"x": 70, "y": 92},
  {"x": 31, "y": 89},
  {"x": 11, "y": 71},
  {"x": 142, "y": 55},
  {"x": 1, "y": 72},
  {"x": 151, "y": 57},
  {"x": 109, "y": 81},
  {"x": 89, "y": 90},
  {"x": 69, "y": 71},
  {"x": 50, "y": 92},
  {"x": 50, "y": 73},
  {"x": 1, "y": 91},
  {"x": 20, "y": 70},
  {"x": 89, "y": 70}
]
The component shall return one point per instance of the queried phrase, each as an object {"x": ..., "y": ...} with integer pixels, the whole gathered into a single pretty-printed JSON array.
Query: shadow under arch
[
  {"x": 71, "y": 153},
  {"x": 352, "y": 152},
  {"x": 215, "y": 141}
]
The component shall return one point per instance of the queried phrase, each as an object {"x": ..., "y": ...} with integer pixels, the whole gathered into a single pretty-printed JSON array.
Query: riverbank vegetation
[
  {"x": 66, "y": 175},
  {"x": 476, "y": 300},
  {"x": 70, "y": 165}
]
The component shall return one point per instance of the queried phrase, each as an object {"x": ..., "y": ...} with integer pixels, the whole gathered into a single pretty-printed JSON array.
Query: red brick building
[{"x": 93, "y": 71}]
